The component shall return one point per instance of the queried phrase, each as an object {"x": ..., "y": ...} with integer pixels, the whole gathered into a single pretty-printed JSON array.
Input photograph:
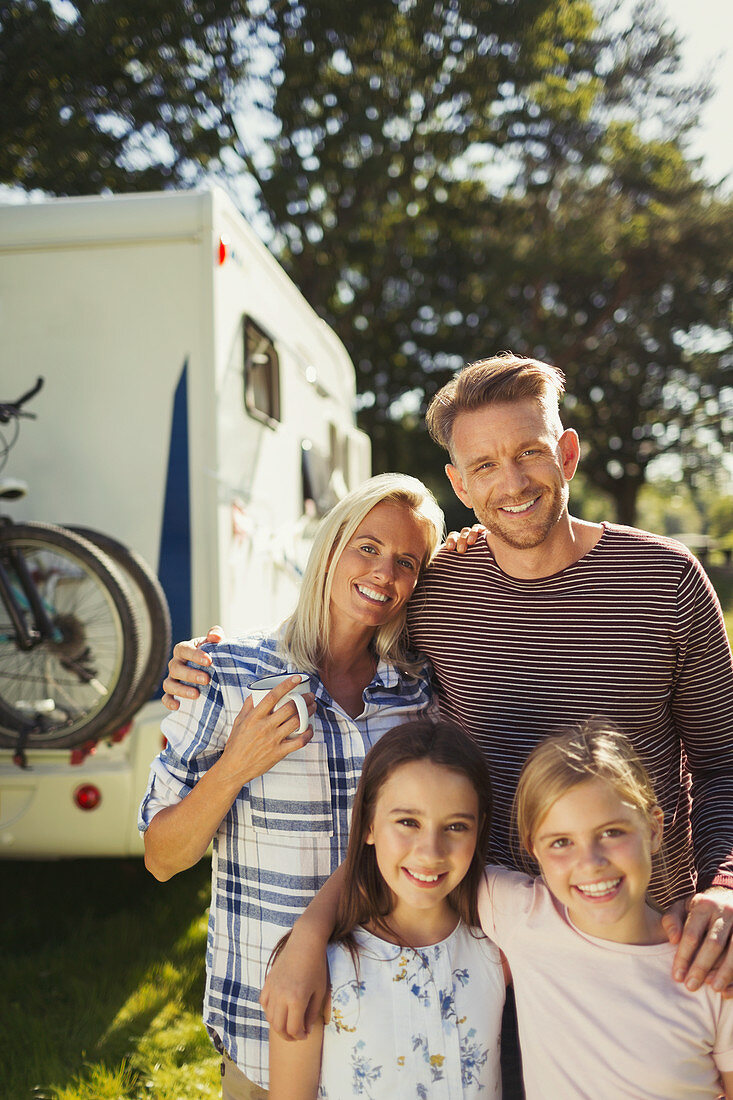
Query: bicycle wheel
[
  {"x": 70, "y": 686},
  {"x": 151, "y": 605}
]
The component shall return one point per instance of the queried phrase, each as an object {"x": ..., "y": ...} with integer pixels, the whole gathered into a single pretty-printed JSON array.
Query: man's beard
[{"x": 553, "y": 503}]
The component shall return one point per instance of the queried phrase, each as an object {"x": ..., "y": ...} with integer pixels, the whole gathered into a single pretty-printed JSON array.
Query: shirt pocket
[{"x": 294, "y": 797}]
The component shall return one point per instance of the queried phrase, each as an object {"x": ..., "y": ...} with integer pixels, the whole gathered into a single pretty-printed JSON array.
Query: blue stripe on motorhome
[{"x": 174, "y": 566}]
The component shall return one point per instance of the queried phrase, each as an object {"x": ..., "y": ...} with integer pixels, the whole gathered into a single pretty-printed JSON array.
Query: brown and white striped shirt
[{"x": 632, "y": 632}]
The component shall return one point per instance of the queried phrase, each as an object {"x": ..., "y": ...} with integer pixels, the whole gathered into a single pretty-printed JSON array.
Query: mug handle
[{"x": 302, "y": 709}]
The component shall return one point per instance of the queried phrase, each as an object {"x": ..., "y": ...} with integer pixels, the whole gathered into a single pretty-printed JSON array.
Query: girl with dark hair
[{"x": 416, "y": 992}]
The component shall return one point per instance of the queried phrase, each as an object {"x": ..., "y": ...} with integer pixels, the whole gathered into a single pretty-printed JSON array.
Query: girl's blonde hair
[
  {"x": 593, "y": 750},
  {"x": 305, "y": 635}
]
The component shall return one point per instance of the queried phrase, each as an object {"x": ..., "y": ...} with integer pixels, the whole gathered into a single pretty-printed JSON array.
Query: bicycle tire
[
  {"x": 73, "y": 686},
  {"x": 153, "y": 614}
]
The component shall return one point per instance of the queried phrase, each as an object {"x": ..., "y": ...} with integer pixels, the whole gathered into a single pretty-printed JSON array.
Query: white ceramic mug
[{"x": 260, "y": 688}]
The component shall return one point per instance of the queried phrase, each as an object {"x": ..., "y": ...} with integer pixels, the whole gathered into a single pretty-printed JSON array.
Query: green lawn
[
  {"x": 722, "y": 578},
  {"x": 102, "y": 981}
]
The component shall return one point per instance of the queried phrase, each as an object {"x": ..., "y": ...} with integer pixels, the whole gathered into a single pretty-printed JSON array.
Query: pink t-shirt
[{"x": 601, "y": 1020}]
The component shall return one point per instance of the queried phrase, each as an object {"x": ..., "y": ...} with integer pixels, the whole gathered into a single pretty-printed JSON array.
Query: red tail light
[{"x": 87, "y": 797}]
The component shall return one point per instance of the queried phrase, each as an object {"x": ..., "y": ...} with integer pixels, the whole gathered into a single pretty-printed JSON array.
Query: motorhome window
[
  {"x": 339, "y": 446},
  {"x": 261, "y": 374},
  {"x": 319, "y": 494}
]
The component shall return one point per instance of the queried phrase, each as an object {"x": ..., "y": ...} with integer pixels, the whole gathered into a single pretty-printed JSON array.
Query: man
[{"x": 549, "y": 619}]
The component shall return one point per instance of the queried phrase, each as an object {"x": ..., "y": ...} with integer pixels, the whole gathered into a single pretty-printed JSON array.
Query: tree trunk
[{"x": 625, "y": 496}]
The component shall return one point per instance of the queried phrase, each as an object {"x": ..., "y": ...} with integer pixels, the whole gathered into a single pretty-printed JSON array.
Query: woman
[{"x": 277, "y": 809}]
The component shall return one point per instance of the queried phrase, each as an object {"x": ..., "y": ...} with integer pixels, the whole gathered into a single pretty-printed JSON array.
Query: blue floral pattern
[{"x": 421, "y": 1024}]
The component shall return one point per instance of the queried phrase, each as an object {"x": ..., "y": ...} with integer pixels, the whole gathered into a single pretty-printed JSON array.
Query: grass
[
  {"x": 102, "y": 972},
  {"x": 102, "y": 977},
  {"x": 722, "y": 579}
]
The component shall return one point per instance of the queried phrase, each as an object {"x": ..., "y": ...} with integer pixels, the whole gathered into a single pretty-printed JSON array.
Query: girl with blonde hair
[{"x": 599, "y": 1013}]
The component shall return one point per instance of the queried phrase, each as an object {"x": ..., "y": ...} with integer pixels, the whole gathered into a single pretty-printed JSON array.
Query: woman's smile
[{"x": 372, "y": 594}]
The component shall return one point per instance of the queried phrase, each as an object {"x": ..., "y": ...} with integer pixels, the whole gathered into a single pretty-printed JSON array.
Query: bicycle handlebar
[{"x": 11, "y": 409}]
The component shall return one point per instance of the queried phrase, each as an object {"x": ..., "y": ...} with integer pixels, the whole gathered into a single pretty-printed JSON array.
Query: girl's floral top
[{"x": 423, "y": 1024}]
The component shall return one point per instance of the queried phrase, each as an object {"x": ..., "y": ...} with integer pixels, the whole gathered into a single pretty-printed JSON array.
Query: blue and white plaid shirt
[{"x": 285, "y": 833}]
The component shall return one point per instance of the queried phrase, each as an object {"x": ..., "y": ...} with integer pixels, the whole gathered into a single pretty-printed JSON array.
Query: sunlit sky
[{"x": 707, "y": 29}]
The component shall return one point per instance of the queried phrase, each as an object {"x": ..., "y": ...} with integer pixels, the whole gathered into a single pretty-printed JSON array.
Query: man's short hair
[{"x": 503, "y": 377}]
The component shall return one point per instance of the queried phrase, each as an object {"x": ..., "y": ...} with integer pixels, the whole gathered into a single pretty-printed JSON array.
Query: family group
[{"x": 516, "y": 772}]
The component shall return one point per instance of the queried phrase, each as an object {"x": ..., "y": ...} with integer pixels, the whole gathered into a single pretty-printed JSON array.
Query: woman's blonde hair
[
  {"x": 305, "y": 635},
  {"x": 593, "y": 750}
]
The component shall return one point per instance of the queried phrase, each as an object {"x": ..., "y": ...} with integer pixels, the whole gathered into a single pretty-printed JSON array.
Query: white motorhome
[{"x": 197, "y": 409}]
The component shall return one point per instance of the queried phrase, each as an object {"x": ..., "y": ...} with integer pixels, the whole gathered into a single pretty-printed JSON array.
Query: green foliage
[
  {"x": 624, "y": 280},
  {"x": 671, "y": 508},
  {"x": 392, "y": 119},
  {"x": 720, "y": 520},
  {"x": 448, "y": 185},
  {"x": 98, "y": 94}
]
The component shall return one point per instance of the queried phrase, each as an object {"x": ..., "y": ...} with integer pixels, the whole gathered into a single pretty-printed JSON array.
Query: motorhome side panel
[
  {"x": 142, "y": 427},
  {"x": 151, "y": 428},
  {"x": 267, "y": 338}
]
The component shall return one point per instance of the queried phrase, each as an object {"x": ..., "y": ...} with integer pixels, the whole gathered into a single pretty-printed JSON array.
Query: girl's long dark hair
[{"x": 366, "y": 897}]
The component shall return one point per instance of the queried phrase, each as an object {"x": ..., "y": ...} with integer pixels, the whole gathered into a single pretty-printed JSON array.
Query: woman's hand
[
  {"x": 467, "y": 536},
  {"x": 179, "y": 834},
  {"x": 180, "y": 675},
  {"x": 261, "y": 735}
]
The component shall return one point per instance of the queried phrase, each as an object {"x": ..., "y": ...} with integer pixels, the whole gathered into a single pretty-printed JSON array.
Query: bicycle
[
  {"x": 152, "y": 613},
  {"x": 84, "y": 627}
]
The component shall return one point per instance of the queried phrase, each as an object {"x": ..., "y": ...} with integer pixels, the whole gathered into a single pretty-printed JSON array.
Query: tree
[
  {"x": 632, "y": 290},
  {"x": 377, "y": 106},
  {"x": 108, "y": 94},
  {"x": 442, "y": 179},
  {"x": 720, "y": 521},
  {"x": 600, "y": 250},
  {"x": 625, "y": 282},
  {"x": 372, "y": 107}
]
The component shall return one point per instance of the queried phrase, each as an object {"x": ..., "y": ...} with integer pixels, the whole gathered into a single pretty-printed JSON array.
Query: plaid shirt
[{"x": 286, "y": 831}]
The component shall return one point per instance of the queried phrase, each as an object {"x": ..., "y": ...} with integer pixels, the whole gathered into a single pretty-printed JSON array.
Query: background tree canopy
[
  {"x": 442, "y": 179},
  {"x": 122, "y": 96}
]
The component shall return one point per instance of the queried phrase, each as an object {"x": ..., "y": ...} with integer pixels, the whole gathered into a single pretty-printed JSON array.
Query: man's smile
[{"x": 517, "y": 509}]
